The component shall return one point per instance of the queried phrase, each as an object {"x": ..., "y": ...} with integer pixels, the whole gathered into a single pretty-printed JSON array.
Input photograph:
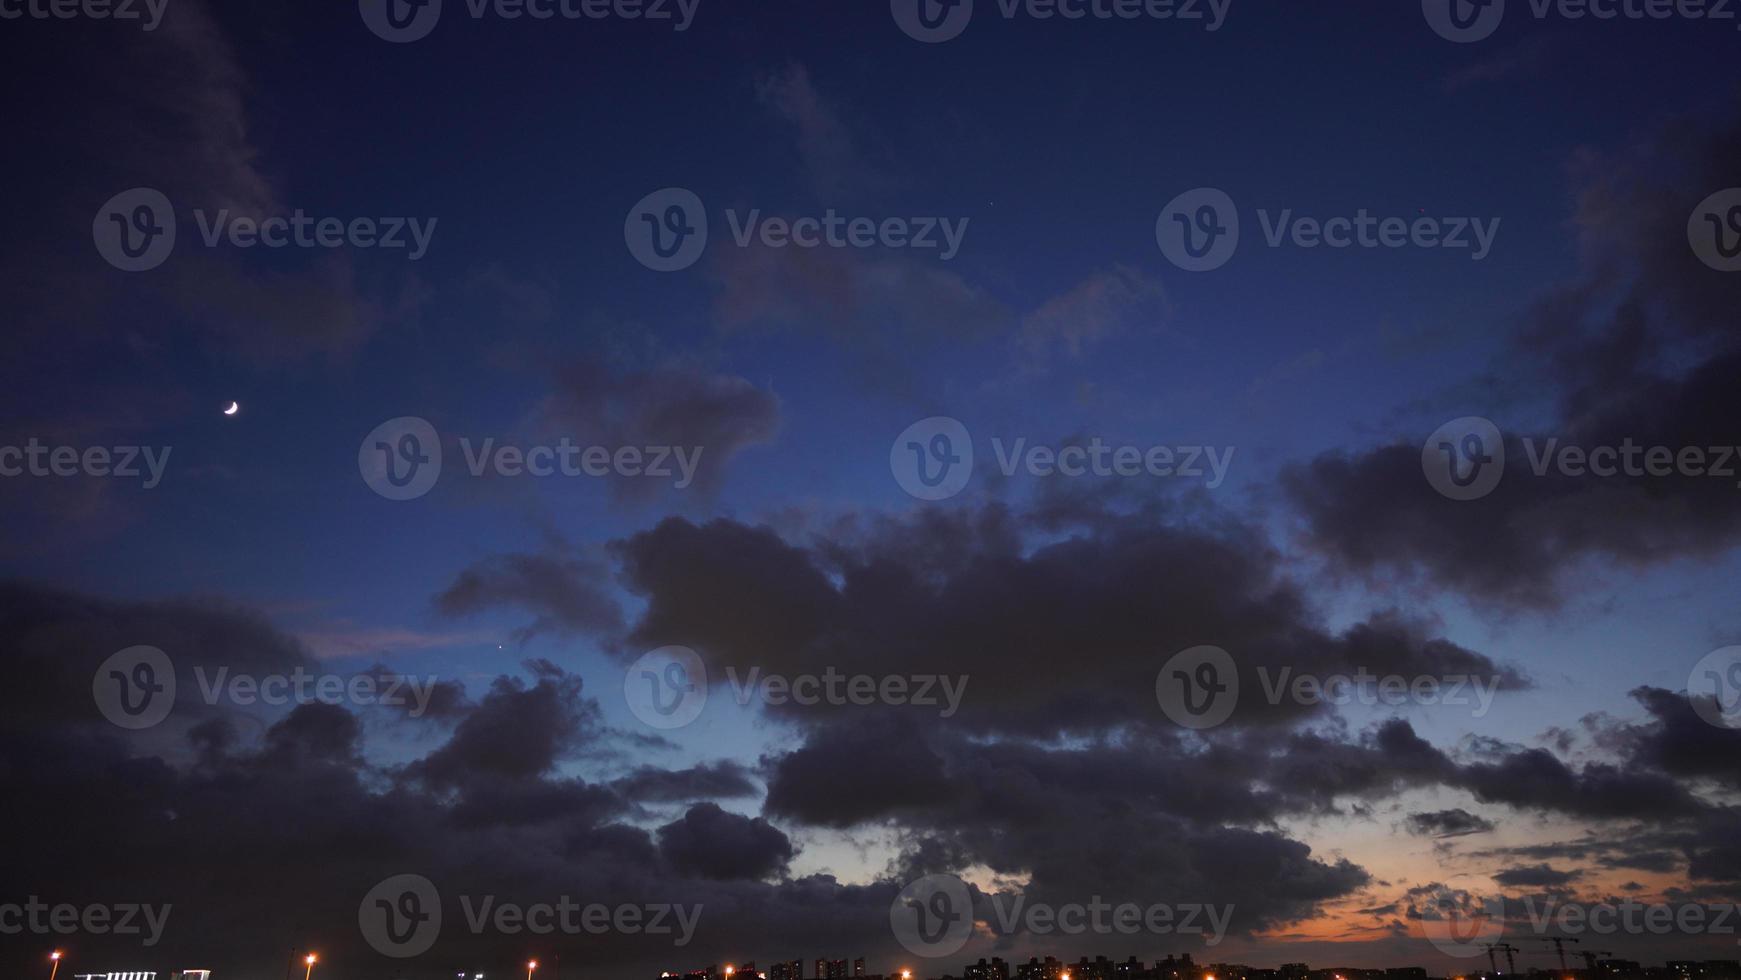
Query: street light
[
  {"x": 309, "y": 959},
  {"x": 54, "y": 958}
]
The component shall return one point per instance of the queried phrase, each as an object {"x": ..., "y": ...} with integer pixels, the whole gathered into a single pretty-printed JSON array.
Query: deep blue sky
[{"x": 1061, "y": 142}]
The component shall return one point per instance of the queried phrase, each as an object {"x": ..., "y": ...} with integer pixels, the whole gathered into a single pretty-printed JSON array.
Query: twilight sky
[{"x": 1049, "y": 159}]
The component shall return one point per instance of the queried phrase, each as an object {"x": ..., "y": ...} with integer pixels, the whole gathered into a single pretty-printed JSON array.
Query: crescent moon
[{"x": 233, "y": 409}]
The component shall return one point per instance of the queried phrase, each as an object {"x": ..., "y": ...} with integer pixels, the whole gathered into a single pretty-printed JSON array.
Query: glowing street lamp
[
  {"x": 309, "y": 960},
  {"x": 54, "y": 958}
]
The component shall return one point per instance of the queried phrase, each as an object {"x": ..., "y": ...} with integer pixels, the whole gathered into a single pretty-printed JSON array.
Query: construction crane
[
  {"x": 1590, "y": 955},
  {"x": 1560, "y": 947},
  {"x": 1510, "y": 955}
]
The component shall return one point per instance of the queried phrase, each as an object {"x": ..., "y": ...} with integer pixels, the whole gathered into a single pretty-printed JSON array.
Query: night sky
[{"x": 1015, "y": 233}]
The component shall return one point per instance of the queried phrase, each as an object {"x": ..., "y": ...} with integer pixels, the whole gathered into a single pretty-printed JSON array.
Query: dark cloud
[
  {"x": 848, "y": 774},
  {"x": 566, "y": 594},
  {"x": 712, "y": 843},
  {"x": 875, "y": 599},
  {"x": 709, "y": 780},
  {"x": 1536, "y": 876},
  {"x": 1676, "y": 740},
  {"x": 304, "y": 822},
  {"x": 517, "y": 732},
  {"x": 1641, "y": 349},
  {"x": 1448, "y": 823}
]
